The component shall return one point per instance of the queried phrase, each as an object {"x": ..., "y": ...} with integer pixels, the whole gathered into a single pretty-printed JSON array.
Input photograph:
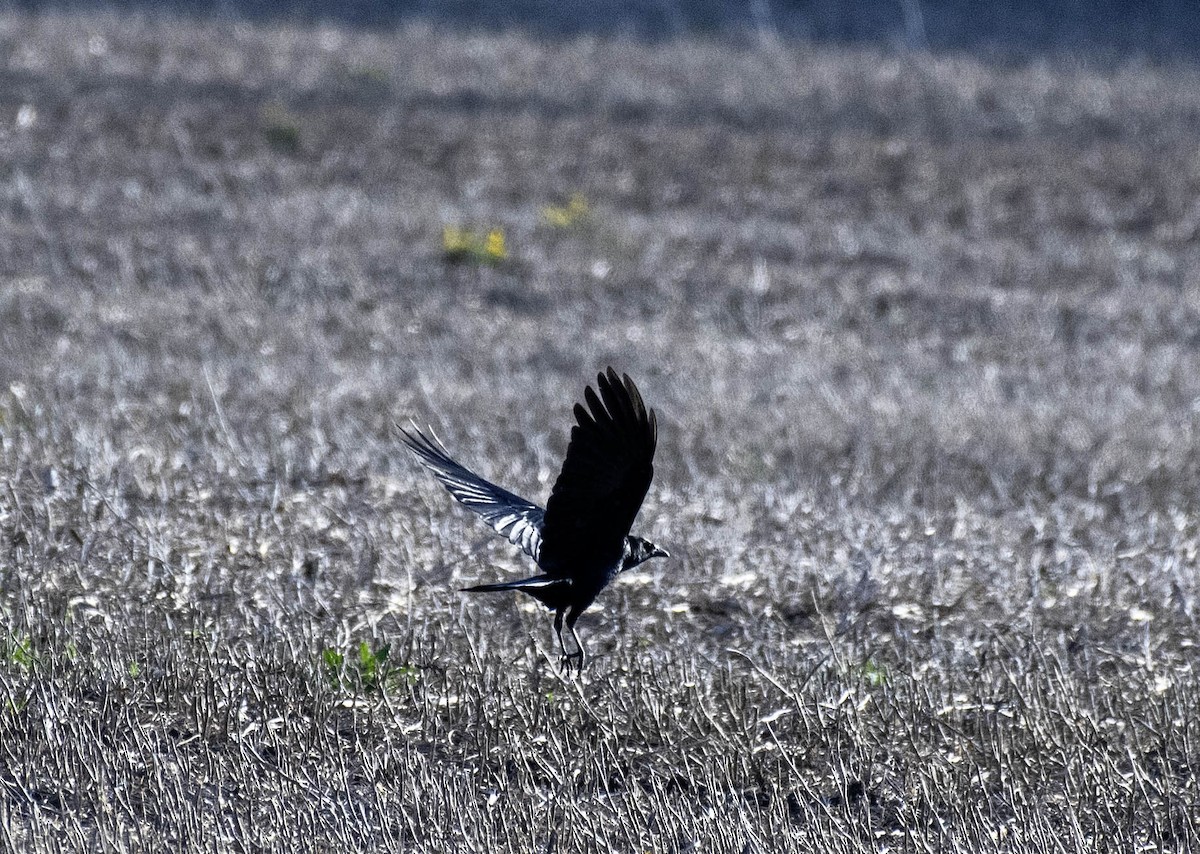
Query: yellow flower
[
  {"x": 572, "y": 213},
  {"x": 494, "y": 248},
  {"x": 457, "y": 242},
  {"x": 463, "y": 244}
]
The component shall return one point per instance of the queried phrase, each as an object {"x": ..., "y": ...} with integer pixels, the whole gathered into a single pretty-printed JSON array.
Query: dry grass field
[{"x": 923, "y": 334}]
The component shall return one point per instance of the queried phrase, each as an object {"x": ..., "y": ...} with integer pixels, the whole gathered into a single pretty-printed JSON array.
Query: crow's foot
[{"x": 571, "y": 660}]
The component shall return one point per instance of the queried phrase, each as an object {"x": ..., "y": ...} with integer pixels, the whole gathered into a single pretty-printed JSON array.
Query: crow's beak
[{"x": 659, "y": 551}]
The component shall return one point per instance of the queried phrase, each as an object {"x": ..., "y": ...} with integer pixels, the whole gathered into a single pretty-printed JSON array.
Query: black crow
[{"x": 581, "y": 539}]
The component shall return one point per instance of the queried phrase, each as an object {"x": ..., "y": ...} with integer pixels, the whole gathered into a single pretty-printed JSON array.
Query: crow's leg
[
  {"x": 580, "y": 654},
  {"x": 558, "y": 621},
  {"x": 558, "y": 626}
]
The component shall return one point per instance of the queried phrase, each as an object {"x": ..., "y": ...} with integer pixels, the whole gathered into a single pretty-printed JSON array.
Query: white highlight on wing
[{"x": 511, "y": 516}]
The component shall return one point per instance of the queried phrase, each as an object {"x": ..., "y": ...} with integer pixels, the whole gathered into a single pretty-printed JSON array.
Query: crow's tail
[{"x": 534, "y": 583}]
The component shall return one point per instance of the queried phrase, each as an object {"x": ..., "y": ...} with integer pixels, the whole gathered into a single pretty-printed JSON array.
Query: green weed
[
  {"x": 367, "y": 670},
  {"x": 18, "y": 651},
  {"x": 281, "y": 129}
]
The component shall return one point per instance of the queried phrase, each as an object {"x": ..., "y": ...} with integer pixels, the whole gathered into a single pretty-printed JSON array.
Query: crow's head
[{"x": 638, "y": 551}]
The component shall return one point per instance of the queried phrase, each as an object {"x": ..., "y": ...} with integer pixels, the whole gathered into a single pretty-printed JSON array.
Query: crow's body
[{"x": 581, "y": 539}]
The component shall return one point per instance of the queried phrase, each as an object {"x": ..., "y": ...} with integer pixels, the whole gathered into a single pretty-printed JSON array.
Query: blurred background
[
  {"x": 1155, "y": 27},
  {"x": 914, "y": 287}
]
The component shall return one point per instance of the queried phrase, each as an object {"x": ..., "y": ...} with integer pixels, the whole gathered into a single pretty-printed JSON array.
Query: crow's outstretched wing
[
  {"x": 510, "y": 515},
  {"x": 603, "y": 481}
]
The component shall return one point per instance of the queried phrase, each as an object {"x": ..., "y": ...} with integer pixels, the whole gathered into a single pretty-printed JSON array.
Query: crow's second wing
[
  {"x": 510, "y": 515},
  {"x": 604, "y": 478}
]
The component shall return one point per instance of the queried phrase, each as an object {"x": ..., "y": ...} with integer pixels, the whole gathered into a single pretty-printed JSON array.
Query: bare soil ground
[{"x": 922, "y": 333}]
